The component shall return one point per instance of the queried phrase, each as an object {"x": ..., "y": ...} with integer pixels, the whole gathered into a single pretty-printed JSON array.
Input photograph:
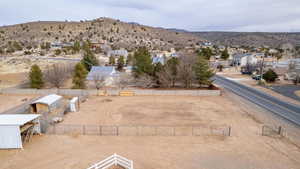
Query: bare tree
[
  {"x": 185, "y": 70},
  {"x": 166, "y": 77},
  {"x": 145, "y": 81},
  {"x": 57, "y": 74},
  {"x": 124, "y": 80},
  {"x": 99, "y": 80}
]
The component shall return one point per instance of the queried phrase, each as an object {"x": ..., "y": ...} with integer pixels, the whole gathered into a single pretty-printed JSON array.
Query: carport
[{"x": 15, "y": 129}]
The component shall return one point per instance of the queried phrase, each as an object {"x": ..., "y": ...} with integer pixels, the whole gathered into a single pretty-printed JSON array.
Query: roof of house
[
  {"x": 16, "y": 119},
  {"x": 101, "y": 70},
  {"x": 48, "y": 100}
]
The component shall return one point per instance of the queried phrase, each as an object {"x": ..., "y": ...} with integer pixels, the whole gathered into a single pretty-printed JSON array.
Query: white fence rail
[{"x": 113, "y": 160}]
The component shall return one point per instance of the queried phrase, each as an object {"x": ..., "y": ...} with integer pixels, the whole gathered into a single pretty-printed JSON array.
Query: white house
[
  {"x": 16, "y": 128},
  {"x": 248, "y": 59},
  {"x": 106, "y": 72}
]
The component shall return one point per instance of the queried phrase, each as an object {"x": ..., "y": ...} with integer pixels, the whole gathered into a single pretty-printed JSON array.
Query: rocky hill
[
  {"x": 255, "y": 39},
  {"x": 115, "y": 32}
]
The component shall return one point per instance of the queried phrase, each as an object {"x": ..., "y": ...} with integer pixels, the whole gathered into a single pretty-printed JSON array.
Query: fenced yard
[{"x": 139, "y": 130}]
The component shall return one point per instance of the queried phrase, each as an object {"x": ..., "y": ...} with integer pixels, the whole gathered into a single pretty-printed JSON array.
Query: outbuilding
[
  {"x": 47, "y": 104},
  {"x": 17, "y": 128}
]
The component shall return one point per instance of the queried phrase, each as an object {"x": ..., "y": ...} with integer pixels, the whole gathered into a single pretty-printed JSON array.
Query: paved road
[{"x": 284, "y": 109}]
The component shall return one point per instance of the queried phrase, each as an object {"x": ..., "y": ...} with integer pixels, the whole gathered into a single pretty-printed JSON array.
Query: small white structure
[
  {"x": 16, "y": 128},
  {"x": 113, "y": 160},
  {"x": 74, "y": 104}
]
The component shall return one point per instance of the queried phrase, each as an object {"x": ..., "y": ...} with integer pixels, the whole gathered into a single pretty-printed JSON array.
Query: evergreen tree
[
  {"x": 121, "y": 63},
  {"x": 129, "y": 60},
  {"x": 270, "y": 76},
  {"x": 202, "y": 71},
  {"x": 89, "y": 59},
  {"x": 205, "y": 53},
  {"x": 112, "y": 60},
  {"x": 79, "y": 76},
  {"x": 225, "y": 54},
  {"x": 76, "y": 47},
  {"x": 36, "y": 77},
  {"x": 142, "y": 62}
]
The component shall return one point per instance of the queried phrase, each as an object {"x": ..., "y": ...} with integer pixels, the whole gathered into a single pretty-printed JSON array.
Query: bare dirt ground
[
  {"x": 245, "y": 149},
  {"x": 10, "y": 101},
  {"x": 12, "y": 79}
]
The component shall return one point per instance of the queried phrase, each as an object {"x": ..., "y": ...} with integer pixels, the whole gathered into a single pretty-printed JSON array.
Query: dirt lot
[
  {"x": 12, "y": 79},
  {"x": 10, "y": 101},
  {"x": 246, "y": 148}
]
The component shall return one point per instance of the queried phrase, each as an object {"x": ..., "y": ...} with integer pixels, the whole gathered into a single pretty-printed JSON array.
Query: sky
[{"x": 192, "y": 15}]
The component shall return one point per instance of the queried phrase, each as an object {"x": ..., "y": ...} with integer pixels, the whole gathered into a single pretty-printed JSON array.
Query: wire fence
[
  {"x": 139, "y": 130},
  {"x": 268, "y": 130}
]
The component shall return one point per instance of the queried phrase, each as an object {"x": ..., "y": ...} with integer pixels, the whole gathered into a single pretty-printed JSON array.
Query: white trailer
[{"x": 17, "y": 128}]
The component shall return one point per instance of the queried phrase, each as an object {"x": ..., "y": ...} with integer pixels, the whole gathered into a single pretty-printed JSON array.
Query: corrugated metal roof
[
  {"x": 50, "y": 99},
  {"x": 16, "y": 119},
  {"x": 102, "y": 71}
]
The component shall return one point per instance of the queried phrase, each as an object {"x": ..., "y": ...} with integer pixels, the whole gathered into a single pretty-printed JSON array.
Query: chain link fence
[{"x": 100, "y": 130}]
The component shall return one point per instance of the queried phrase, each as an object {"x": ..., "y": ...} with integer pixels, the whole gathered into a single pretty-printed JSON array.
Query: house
[
  {"x": 249, "y": 59},
  {"x": 15, "y": 129},
  {"x": 118, "y": 53},
  {"x": 47, "y": 104},
  {"x": 106, "y": 72},
  {"x": 158, "y": 60}
]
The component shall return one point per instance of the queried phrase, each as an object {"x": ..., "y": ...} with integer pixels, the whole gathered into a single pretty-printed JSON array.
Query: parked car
[{"x": 256, "y": 77}]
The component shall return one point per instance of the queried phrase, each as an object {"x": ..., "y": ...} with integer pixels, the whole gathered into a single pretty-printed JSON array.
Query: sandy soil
[
  {"x": 12, "y": 79},
  {"x": 245, "y": 149},
  {"x": 153, "y": 110},
  {"x": 10, "y": 101}
]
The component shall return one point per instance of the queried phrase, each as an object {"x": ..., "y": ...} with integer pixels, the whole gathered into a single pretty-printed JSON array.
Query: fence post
[
  {"x": 100, "y": 130},
  {"x": 279, "y": 130},
  {"x": 117, "y": 127},
  {"x": 83, "y": 129},
  {"x": 229, "y": 131},
  {"x": 262, "y": 130}
]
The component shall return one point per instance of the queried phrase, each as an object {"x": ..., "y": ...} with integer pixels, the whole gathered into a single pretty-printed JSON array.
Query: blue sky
[{"x": 193, "y": 15}]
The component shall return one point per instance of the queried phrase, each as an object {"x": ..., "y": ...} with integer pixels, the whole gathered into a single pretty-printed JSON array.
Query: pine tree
[
  {"x": 79, "y": 76},
  {"x": 142, "y": 62},
  {"x": 121, "y": 63},
  {"x": 225, "y": 54},
  {"x": 202, "y": 71},
  {"x": 205, "y": 53},
  {"x": 89, "y": 59},
  {"x": 112, "y": 60},
  {"x": 76, "y": 47},
  {"x": 36, "y": 77}
]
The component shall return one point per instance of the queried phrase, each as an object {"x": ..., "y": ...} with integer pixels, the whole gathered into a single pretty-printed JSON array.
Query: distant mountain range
[{"x": 255, "y": 39}]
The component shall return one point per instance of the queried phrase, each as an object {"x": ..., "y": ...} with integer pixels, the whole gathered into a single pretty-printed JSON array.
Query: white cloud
[{"x": 196, "y": 15}]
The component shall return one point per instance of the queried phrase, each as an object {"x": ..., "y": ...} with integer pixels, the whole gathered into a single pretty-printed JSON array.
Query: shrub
[
  {"x": 57, "y": 52},
  {"x": 79, "y": 76},
  {"x": 270, "y": 76},
  {"x": 36, "y": 77}
]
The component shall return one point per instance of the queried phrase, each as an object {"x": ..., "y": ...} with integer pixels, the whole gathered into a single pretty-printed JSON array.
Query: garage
[{"x": 16, "y": 129}]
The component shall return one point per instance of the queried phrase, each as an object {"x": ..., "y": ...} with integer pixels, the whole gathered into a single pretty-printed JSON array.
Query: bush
[
  {"x": 36, "y": 77},
  {"x": 79, "y": 76},
  {"x": 270, "y": 76},
  {"x": 57, "y": 52}
]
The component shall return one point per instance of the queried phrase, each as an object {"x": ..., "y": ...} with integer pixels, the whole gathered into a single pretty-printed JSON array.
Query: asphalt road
[{"x": 288, "y": 111}]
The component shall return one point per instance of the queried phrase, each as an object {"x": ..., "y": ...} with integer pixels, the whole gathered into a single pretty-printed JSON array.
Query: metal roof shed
[
  {"x": 46, "y": 104},
  {"x": 17, "y": 127}
]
